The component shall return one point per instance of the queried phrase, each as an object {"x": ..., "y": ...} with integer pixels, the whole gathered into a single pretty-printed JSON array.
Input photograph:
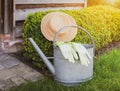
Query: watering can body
[
  {"x": 67, "y": 72},
  {"x": 64, "y": 71}
]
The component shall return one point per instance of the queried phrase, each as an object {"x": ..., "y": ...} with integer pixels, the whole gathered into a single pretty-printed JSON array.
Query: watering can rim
[{"x": 79, "y": 27}]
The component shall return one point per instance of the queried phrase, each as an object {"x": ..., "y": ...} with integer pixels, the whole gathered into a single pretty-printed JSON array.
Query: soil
[{"x": 109, "y": 47}]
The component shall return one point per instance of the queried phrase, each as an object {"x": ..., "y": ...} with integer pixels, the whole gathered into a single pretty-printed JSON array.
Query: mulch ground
[{"x": 109, "y": 47}]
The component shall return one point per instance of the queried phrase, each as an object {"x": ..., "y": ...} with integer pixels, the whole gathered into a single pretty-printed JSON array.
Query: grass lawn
[{"x": 106, "y": 77}]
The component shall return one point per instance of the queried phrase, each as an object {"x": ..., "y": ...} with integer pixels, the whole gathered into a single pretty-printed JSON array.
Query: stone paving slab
[
  {"x": 18, "y": 80},
  {"x": 21, "y": 69},
  {"x": 1, "y": 67},
  {"x": 9, "y": 63},
  {"x": 5, "y": 57},
  {"x": 6, "y": 84},
  {"x": 6, "y": 74},
  {"x": 32, "y": 76},
  {"x": 13, "y": 72},
  {"x": 2, "y": 84}
]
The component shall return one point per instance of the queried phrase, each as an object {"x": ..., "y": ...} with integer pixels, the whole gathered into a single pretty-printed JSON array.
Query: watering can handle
[{"x": 57, "y": 33}]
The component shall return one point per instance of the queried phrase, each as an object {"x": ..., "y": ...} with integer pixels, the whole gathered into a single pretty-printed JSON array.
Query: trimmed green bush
[
  {"x": 31, "y": 28},
  {"x": 103, "y": 23}
]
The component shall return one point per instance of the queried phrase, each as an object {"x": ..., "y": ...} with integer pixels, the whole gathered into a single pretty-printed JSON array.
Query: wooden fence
[{"x": 16, "y": 11}]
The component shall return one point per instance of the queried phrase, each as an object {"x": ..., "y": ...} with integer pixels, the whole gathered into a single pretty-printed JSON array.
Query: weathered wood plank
[
  {"x": 11, "y": 12},
  {"x": 25, "y": 7},
  {"x": 47, "y": 1},
  {"x": 21, "y": 14},
  {"x": 0, "y": 17},
  {"x": 6, "y": 17},
  {"x": 28, "y": 6}
]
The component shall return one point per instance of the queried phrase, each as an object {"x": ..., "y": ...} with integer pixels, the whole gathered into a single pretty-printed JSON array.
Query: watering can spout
[{"x": 42, "y": 55}]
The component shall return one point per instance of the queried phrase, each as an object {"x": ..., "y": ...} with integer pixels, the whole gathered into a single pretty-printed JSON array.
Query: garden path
[{"x": 14, "y": 72}]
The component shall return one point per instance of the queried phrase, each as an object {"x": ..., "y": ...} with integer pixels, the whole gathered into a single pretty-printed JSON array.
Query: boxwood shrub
[{"x": 103, "y": 23}]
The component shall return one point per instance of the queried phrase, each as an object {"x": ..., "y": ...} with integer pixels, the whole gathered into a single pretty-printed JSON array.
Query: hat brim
[{"x": 49, "y": 33}]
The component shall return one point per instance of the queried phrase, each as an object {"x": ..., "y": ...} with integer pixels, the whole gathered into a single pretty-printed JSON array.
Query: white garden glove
[
  {"x": 83, "y": 53},
  {"x": 67, "y": 51}
]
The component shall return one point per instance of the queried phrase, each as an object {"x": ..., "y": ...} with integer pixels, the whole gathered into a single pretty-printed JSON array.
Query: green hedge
[{"x": 103, "y": 22}]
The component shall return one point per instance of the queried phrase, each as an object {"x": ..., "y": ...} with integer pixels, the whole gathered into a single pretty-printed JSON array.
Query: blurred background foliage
[{"x": 115, "y": 3}]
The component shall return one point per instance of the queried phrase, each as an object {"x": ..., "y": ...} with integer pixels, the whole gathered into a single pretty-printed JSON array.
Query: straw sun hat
[{"x": 52, "y": 22}]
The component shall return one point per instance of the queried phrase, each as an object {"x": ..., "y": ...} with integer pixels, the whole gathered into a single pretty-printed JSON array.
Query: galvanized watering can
[{"x": 65, "y": 72}]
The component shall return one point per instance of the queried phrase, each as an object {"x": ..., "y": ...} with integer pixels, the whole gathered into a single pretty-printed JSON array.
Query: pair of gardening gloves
[{"x": 74, "y": 51}]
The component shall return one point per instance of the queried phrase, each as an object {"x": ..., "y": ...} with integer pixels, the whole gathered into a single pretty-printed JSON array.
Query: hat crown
[
  {"x": 58, "y": 21},
  {"x": 53, "y": 22}
]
